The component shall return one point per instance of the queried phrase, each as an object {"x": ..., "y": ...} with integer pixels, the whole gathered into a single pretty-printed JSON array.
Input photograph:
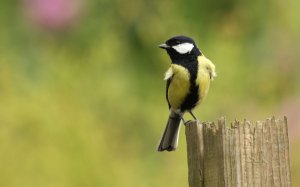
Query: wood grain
[{"x": 244, "y": 154}]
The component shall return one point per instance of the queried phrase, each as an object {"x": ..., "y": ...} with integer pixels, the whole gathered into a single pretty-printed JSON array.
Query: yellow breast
[
  {"x": 179, "y": 86},
  {"x": 206, "y": 73},
  {"x": 203, "y": 80}
]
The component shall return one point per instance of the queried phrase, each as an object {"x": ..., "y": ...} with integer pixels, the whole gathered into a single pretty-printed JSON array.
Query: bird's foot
[{"x": 187, "y": 122}]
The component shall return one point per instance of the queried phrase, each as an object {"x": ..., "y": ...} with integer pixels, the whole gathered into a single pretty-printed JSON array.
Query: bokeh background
[{"x": 82, "y": 96}]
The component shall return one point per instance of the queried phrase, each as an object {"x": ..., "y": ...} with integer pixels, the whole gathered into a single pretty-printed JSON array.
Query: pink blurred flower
[{"x": 53, "y": 14}]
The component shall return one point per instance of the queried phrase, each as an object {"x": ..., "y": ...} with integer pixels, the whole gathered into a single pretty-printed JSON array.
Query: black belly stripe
[{"x": 192, "y": 97}]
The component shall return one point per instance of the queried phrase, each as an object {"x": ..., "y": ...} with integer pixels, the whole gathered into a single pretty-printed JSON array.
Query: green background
[{"x": 83, "y": 103}]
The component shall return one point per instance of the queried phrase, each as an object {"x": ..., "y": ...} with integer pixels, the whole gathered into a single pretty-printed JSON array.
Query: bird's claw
[{"x": 187, "y": 122}]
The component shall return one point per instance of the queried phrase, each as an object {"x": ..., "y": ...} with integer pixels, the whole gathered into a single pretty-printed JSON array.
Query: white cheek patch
[{"x": 183, "y": 48}]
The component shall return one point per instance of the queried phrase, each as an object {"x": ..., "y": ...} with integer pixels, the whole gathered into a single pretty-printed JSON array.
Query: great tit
[{"x": 188, "y": 81}]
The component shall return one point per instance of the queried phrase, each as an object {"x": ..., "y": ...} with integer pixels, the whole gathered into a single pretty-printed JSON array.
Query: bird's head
[{"x": 181, "y": 47}]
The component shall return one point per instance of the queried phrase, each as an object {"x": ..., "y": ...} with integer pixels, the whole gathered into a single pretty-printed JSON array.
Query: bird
[{"x": 188, "y": 81}]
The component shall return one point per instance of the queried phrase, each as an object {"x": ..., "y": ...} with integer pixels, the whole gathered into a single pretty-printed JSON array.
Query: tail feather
[{"x": 169, "y": 140}]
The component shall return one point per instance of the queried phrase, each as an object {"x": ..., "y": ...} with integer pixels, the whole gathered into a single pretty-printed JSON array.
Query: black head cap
[{"x": 181, "y": 47}]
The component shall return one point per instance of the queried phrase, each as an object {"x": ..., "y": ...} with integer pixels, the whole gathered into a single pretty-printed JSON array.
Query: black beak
[{"x": 164, "y": 46}]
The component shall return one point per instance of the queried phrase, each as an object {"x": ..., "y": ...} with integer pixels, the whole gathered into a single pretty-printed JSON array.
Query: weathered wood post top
[{"x": 244, "y": 154}]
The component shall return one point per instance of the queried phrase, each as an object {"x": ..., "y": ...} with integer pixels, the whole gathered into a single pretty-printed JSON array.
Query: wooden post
[
  {"x": 194, "y": 135},
  {"x": 244, "y": 154}
]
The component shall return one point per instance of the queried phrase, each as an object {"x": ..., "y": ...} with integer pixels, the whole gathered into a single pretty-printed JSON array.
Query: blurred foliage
[{"x": 83, "y": 100}]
